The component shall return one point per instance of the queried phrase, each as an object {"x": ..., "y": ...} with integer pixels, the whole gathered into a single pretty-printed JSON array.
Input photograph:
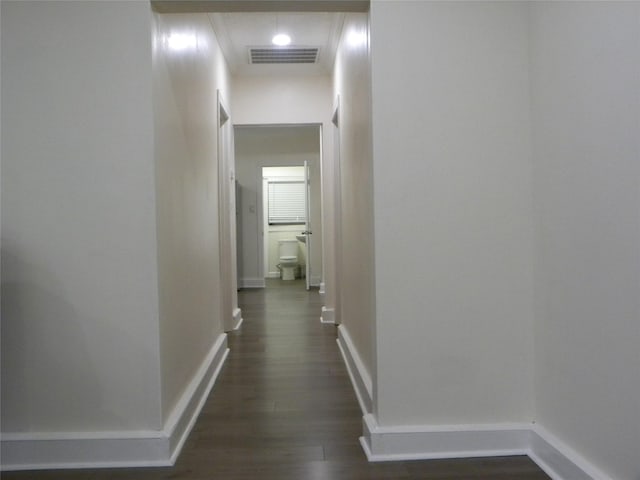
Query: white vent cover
[{"x": 270, "y": 55}]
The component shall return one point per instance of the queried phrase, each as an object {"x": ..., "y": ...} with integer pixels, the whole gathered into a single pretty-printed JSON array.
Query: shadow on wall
[{"x": 44, "y": 354}]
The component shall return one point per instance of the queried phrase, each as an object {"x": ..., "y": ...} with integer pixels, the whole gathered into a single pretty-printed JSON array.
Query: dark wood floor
[{"x": 283, "y": 408}]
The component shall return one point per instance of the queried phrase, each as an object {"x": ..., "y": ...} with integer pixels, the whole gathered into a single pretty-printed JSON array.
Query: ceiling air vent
[{"x": 270, "y": 55}]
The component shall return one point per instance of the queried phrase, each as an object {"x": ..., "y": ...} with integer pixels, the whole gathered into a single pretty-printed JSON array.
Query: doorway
[
  {"x": 285, "y": 206},
  {"x": 272, "y": 156}
]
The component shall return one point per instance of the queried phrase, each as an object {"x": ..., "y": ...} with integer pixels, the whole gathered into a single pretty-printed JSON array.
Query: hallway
[{"x": 283, "y": 408}]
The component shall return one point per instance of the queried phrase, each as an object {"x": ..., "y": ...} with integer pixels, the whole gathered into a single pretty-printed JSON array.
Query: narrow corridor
[{"x": 283, "y": 408}]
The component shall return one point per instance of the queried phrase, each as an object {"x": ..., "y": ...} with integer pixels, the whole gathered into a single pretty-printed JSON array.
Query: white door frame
[
  {"x": 231, "y": 314},
  {"x": 301, "y": 229},
  {"x": 337, "y": 215},
  {"x": 307, "y": 225},
  {"x": 263, "y": 264}
]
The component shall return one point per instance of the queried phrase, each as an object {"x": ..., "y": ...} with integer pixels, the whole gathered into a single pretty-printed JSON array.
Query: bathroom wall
[
  {"x": 258, "y": 147},
  {"x": 279, "y": 232}
]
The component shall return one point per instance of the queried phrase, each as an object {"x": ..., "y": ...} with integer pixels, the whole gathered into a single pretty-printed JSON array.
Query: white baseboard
[
  {"x": 424, "y": 442},
  {"x": 63, "y": 450},
  {"x": 237, "y": 318},
  {"x": 328, "y": 315},
  {"x": 321, "y": 289},
  {"x": 252, "y": 283},
  {"x": 273, "y": 275},
  {"x": 560, "y": 461},
  {"x": 360, "y": 378},
  {"x": 185, "y": 413},
  {"x": 315, "y": 281},
  {"x": 59, "y": 450}
]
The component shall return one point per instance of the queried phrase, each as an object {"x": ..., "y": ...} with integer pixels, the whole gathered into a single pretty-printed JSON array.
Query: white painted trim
[
  {"x": 142, "y": 448},
  {"x": 273, "y": 275},
  {"x": 560, "y": 461},
  {"x": 252, "y": 283},
  {"x": 321, "y": 290},
  {"x": 185, "y": 413},
  {"x": 359, "y": 375},
  {"x": 315, "y": 280},
  {"x": 328, "y": 315},
  {"x": 70, "y": 450},
  {"x": 425, "y": 442},
  {"x": 237, "y": 318}
]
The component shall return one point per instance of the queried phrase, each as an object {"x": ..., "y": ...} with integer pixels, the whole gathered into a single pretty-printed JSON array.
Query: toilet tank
[{"x": 288, "y": 248}]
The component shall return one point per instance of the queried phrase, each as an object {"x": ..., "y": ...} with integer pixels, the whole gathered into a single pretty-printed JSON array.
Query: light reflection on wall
[
  {"x": 180, "y": 42},
  {"x": 357, "y": 38}
]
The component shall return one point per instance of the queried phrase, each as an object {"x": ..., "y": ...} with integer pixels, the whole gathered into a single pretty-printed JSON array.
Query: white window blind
[{"x": 286, "y": 202}]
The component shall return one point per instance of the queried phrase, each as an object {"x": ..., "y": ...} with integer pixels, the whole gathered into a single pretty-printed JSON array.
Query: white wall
[
  {"x": 281, "y": 100},
  {"x": 355, "y": 257},
  {"x": 452, "y": 177},
  {"x": 258, "y": 147},
  {"x": 185, "y": 105},
  {"x": 586, "y": 111},
  {"x": 79, "y": 283}
]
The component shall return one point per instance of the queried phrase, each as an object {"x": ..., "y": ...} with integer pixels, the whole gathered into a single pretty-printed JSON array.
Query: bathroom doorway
[
  {"x": 270, "y": 164},
  {"x": 285, "y": 206}
]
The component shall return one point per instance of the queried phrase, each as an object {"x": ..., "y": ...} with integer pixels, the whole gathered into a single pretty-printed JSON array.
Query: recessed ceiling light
[{"x": 281, "y": 40}]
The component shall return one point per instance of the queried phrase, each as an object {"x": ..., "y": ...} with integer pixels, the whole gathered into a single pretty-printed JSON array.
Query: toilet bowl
[{"x": 288, "y": 257}]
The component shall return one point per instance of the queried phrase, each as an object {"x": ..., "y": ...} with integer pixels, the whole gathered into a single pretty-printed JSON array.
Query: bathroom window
[{"x": 286, "y": 202}]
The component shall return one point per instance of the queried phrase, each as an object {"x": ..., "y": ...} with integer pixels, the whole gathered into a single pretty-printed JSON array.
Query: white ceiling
[{"x": 237, "y": 32}]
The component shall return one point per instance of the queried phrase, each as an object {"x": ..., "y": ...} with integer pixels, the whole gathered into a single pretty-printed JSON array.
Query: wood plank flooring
[{"x": 283, "y": 408}]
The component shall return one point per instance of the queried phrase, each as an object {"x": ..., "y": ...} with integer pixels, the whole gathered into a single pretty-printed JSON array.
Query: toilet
[{"x": 288, "y": 256}]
